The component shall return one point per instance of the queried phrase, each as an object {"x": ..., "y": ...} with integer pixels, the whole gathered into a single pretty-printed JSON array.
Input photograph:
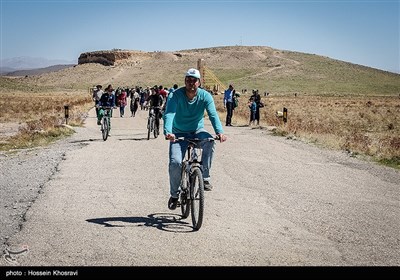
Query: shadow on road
[
  {"x": 162, "y": 221},
  {"x": 134, "y": 139},
  {"x": 101, "y": 140},
  {"x": 86, "y": 140}
]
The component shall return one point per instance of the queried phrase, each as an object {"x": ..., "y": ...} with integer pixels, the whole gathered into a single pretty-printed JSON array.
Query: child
[
  {"x": 134, "y": 105},
  {"x": 253, "y": 108}
]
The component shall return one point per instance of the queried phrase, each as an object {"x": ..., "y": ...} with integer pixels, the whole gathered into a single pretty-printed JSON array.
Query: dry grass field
[
  {"x": 32, "y": 120},
  {"x": 330, "y": 103},
  {"x": 359, "y": 125}
]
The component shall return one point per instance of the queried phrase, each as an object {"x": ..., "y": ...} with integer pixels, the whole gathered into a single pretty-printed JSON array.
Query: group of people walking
[
  {"x": 139, "y": 98},
  {"x": 231, "y": 102}
]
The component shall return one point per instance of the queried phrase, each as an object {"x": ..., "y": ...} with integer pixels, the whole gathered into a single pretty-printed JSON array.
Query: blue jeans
[
  {"x": 121, "y": 110},
  {"x": 177, "y": 152},
  {"x": 229, "y": 113}
]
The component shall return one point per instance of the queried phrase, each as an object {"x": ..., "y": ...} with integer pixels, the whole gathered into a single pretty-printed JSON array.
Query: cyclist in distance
[
  {"x": 184, "y": 117},
  {"x": 97, "y": 93},
  {"x": 107, "y": 99},
  {"x": 156, "y": 101}
]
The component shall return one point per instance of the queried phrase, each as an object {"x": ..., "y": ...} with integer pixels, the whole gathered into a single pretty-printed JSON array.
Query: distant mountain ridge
[
  {"x": 9, "y": 65},
  {"x": 38, "y": 71}
]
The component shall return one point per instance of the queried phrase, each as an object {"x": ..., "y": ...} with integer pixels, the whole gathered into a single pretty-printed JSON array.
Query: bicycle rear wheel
[
  {"x": 197, "y": 197},
  {"x": 108, "y": 125},
  {"x": 185, "y": 198},
  {"x": 105, "y": 128}
]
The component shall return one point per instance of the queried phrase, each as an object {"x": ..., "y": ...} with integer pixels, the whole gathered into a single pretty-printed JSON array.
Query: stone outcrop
[{"x": 112, "y": 57}]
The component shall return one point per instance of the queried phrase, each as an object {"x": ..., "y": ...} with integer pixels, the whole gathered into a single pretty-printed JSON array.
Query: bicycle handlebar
[{"x": 177, "y": 139}]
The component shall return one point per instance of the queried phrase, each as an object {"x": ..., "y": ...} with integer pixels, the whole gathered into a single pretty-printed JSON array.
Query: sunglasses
[{"x": 191, "y": 79}]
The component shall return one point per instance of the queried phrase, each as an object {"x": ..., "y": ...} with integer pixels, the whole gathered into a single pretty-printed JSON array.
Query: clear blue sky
[{"x": 361, "y": 32}]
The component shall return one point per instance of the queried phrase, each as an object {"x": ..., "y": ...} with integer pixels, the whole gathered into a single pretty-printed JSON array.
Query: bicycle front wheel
[
  {"x": 108, "y": 126},
  {"x": 105, "y": 128},
  {"x": 197, "y": 197},
  {"x": 149, "y": 124},
  {"x": 155, "y": 131}
]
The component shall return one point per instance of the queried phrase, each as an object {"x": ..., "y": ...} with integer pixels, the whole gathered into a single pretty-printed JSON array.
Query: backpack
[{"x": 235, "y": 103}]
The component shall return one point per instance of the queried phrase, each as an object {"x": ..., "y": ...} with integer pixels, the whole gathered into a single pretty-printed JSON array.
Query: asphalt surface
[{"x": 275, "y": 202}]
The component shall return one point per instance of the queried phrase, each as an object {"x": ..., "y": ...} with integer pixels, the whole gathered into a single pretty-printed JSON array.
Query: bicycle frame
[
  {"x": 193, "y": 154},
  {"x": 151, "y": 123},
  {"x": 193, "y": 150}
]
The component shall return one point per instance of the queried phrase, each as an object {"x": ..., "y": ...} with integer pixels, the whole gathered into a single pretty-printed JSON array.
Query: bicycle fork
[
  {"x": 191, "y": 183},
  {"x": 186, "y": 189}
]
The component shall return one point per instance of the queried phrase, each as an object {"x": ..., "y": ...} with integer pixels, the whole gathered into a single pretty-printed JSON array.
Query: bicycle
[
  {"x": 106, "y": 122},
  {"x": 191, "y": 198},
  {"x": 151, "y": 123}
]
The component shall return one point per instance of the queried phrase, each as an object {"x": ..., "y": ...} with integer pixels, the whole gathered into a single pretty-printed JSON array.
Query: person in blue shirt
[
  {"x": 107, "y": 99},
  {"x": 184, "y": 117},
  {"x": 173, "y": 88},
  {"x": 228, "y": 104}
]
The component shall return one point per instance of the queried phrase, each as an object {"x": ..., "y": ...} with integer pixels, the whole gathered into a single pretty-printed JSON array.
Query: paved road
[{"x": 275, "y": 202}]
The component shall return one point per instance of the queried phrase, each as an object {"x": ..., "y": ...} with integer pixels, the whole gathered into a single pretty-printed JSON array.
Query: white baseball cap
[{"x": 193, "y": 73}]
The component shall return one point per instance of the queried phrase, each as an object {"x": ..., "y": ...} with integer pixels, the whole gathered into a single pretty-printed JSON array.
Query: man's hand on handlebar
[
  {"x": 221, "y": 137},
  {"x": 170, "y": 136}
]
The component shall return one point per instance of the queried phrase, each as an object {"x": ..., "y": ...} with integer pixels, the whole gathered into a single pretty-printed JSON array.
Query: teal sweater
[{"x": 184, "y": 116}]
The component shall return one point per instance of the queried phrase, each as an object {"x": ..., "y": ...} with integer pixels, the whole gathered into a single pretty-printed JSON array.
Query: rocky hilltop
[{"x": 112, "y": 57}]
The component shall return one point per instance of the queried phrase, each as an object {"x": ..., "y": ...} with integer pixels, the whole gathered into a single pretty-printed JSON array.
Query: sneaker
[
  {"x": 207, "y": 186},
  {"x": 172, "y": 203}
]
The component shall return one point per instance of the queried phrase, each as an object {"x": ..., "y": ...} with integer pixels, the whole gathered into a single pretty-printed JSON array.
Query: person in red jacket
[{"x": 122, "y": 101}]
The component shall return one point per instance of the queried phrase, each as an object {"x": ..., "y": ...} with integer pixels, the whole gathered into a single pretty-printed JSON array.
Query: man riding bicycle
[
  {"x": 156, "y": 101},
  {"x": 107, "y": 99},
  {"x": 184, "y": 117}
]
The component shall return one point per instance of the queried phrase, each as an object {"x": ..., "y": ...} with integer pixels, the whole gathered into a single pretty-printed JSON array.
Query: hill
[{"x": 275, "y": 71}]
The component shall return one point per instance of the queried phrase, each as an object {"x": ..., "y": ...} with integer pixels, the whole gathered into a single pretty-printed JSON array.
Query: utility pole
[{"x": 200, "y": 67}]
